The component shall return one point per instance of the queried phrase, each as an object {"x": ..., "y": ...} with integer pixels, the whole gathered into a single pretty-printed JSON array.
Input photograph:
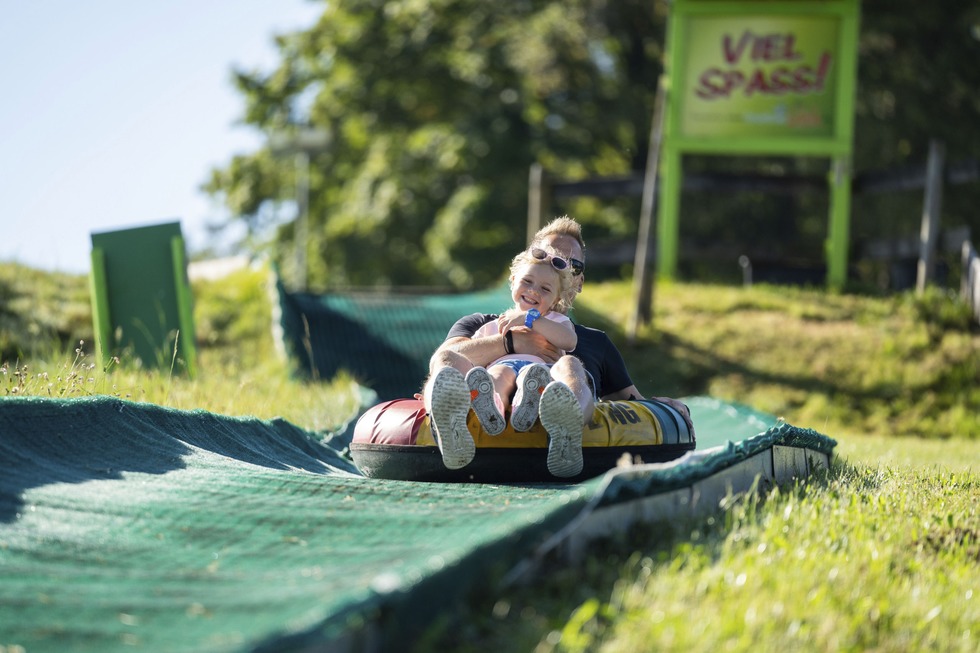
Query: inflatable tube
[{"x": 393, "y": 440}]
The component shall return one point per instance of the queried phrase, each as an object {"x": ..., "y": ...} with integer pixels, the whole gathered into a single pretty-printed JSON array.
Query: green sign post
[{"x": 759, "y": 77}]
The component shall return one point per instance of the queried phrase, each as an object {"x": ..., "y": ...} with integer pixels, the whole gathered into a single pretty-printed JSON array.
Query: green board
[
  {"x": 141, "y": 298},
  {"x": 127, "y": 526},
  {"x": 761, "y": 77}
]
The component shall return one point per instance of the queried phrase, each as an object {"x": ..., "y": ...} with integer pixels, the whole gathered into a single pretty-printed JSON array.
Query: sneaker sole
[
  {"x": 528, "y": 397},
  {"x": 561, "y": 417},
  {"x": 450, "y": 407},
  {"x": 480, "y": 385}
]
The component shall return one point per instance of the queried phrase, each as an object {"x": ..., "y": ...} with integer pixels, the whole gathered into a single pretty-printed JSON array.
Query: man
[{"x": 594, "y": 370}]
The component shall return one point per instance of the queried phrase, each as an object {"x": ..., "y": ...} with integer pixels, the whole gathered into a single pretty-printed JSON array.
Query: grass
[
  {"x": 241, "y": 373},
  {"x": 866, "y": 557},
  {"x": 881, "y": 553},
  {"x": 895, "y": 365}
]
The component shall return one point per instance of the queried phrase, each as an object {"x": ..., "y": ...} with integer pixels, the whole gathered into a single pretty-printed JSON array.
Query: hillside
[{"x": 839, "y": 363}]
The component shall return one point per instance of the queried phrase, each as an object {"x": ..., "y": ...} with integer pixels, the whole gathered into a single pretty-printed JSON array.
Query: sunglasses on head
[{"x": 557, "y": 262}]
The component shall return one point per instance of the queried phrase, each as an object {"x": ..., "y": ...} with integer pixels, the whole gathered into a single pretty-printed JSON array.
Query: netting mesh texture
[
  {"x": 129, "y": 524},
  {"x": 126, "y": 525},
  {"x": 383, "y": 340}
]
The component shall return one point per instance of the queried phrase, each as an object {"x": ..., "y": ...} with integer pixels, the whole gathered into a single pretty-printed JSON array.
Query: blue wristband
[{"x": 532, "y": 315}]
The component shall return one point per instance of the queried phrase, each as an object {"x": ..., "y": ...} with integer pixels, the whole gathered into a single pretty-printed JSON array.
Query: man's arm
[
  {"x": 626, "y": 394},
  {"x": 631, "y": 393},
  {"x": 482, "y": 351},
  {"x": 479, "y": 351},
  {"x": 615, "y": 362}
]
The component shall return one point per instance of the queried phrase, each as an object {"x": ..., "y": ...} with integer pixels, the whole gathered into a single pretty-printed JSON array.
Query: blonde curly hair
[{"x": 566, "y": 289}]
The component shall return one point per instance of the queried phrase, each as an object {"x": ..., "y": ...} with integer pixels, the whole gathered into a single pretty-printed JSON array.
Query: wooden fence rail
[
  {"x": 930, "y": 176},
  {"x": 970, "y": 283},
  {"x": 869, "y": 182}
]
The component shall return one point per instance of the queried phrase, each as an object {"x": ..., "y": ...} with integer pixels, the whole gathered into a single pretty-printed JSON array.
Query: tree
[
  {"x": 916, "y": 82},
  {"x": 437, "y": 109}
]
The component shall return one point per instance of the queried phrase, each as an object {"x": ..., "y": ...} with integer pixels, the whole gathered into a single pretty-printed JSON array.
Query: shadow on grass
[{"x": 673, "y": 366}]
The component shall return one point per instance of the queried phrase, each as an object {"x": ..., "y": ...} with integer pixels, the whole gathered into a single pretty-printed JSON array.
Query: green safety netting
[
  {"x": 132, "y": 526},
  {"x": 383, "y": 339}
]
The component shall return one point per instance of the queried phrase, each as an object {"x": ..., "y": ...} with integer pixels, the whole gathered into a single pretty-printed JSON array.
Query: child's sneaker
[
  {"x": 483, "y": 400},
  {"x": 530, "y": 384},
  {"x": 450, "y": 407},
  {"x": 561, "y": 417}
]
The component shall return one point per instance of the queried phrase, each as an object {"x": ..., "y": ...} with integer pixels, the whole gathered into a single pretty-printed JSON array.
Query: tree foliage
[
  {"x": 916, "y": 82},
  {"x": 437, "y": 108}
]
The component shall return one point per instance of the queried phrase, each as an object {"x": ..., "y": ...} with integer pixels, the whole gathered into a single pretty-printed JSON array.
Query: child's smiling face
[{"x": 535, "y": 286}]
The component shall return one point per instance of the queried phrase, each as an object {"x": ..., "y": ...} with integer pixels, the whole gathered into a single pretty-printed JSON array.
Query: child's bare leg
[{"x": 504, "y": 382}]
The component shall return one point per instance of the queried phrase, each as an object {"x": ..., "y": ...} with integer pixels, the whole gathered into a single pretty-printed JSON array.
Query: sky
[{"x": 113, "y": 113}]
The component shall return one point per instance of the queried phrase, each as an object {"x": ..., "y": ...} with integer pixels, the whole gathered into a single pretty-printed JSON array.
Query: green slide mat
[
  {"x": 384, "y": 340},
  {"x": 129, "y": 526}
]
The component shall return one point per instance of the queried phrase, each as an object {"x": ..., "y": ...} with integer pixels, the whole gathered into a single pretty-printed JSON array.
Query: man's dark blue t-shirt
[{"x": 596, "y": 351}]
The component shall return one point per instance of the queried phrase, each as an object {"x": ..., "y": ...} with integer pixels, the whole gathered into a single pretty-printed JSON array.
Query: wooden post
[
  {"x": 537, "y": 199},
  {"x": 302, "y": 234},
  {"x": 838, "y": 231},
  {"x": 930, "y": 215},
  {"x": 301, "y": 143},
  {"x": 642, "y": 281},
  {"x": 970, "y": 279}
]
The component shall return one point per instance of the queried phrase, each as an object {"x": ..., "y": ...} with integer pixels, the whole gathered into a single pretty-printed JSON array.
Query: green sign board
[
  {"x": 760, "y": 77},
  {"x": 141, "y": 297},
  {"x": 754, "y": 76}
]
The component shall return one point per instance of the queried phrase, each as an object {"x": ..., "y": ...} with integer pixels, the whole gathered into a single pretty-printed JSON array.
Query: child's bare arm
[{"x": 560, "y": 334}]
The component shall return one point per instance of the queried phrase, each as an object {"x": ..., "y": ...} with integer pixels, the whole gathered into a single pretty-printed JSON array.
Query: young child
[{"x": 542, "y": 289}]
